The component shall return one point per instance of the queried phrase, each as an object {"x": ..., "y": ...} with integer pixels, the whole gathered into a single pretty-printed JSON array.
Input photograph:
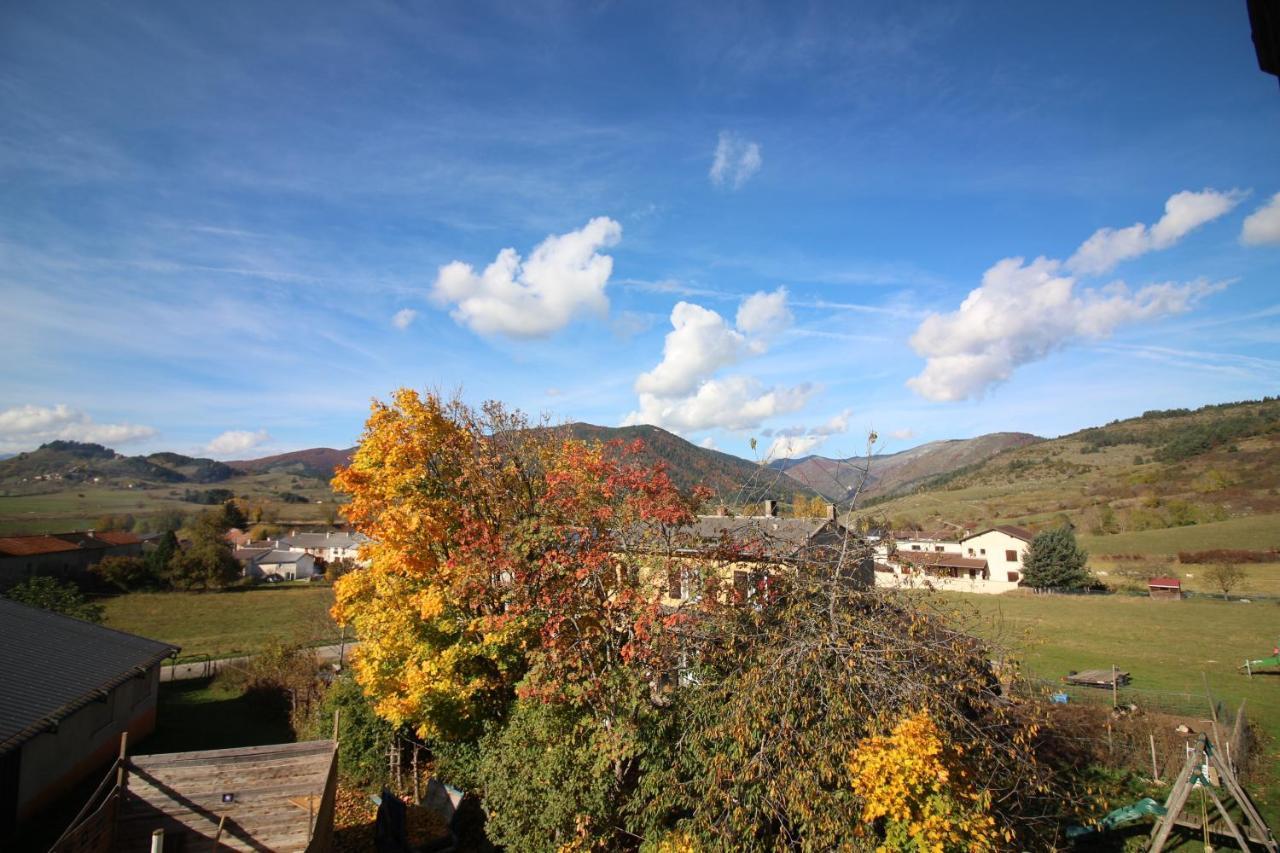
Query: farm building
[
  {"x": 1164, "y": 588},
  {"x": 68, "y": 689},
  {"x": 278, "y": 798},
  {"x": 63, "y": 555}
]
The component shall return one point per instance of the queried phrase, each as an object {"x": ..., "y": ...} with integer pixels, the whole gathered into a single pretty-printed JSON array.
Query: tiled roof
[
  {"x": 1008, "y": 529},
  {"x": 941, "y": 559},
  {"x": 337, "y": 539},
  {"x": 23, "y": 546},
  {"x": 1169, "y": 582},
  {"x": 117, "y": 537},
  {"x": 52, "y": 665}
]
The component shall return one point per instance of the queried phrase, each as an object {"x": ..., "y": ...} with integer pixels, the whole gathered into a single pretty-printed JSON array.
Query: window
[
  {"x": 1011, "y": 556},
  {"x": 915, "y": 547},
  {"x": 1013, "y": 577},
  {"x": 741, "y": 583},
  {"x": 982, "y": 551},
  {"x": 937, "y": 547},
  {"x": 970, "y": 552},
  {"x": 675, "y": 585}
]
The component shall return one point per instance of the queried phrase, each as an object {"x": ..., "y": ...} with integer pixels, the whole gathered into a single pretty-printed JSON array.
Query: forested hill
[
  {"x": 1214, "y": 466},
  {"x": 312, "y": 462},
  {"x": 75, "y": 461},
  {"x": 735, "y": 480}
]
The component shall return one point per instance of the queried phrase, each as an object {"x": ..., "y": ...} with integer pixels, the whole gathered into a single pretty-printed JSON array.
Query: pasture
[
  {"x": 1177, "y": 647},
  {"x": 238, "y": 621}
]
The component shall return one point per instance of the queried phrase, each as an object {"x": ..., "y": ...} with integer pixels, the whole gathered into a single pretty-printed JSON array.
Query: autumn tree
[
  {"x": 513, "y": 603},
  {"x": 206, "y": 561},
  {"x": 1226, "y": 577}
]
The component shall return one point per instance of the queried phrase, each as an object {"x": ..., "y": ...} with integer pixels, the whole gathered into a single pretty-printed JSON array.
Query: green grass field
[
  {"x": 76, "y": 506},
  {"x": 222, "y": 624},
  {"x": 1257, "y": 532},
  {"x": 1173, "y": 646}
]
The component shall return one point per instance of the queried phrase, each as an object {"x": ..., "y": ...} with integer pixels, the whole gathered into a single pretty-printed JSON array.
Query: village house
[
  {"x": 265, "y": 561},
  {"x": 68, "y": 689},
  {"x": 328, "y": 546},
  {"x": 769, "y": 545},
  {"x": 61, "y": 555},
  {"x": 989, "y": 561}
]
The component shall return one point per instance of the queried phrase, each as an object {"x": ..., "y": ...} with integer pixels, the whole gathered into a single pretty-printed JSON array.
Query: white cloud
[
  {"x": 1183, "y": 213},
  {"x": 236, "y": 441},
  {"x": 735, "y": 161},
  {"x": 903, "y": 434},
  {"x": 709, "y": 443},
  {"x": 26, "y": 427},
  {"x": 1263, "y": 225},
  {"x": 1020, "y": 314},
  {"x": 789, "y": 447},
  {"x": 734, "y": 402},
  {"x": 680, "y": 393},
  {"x": 793, "y": 441},
  {"x": 404, "y": 318},
  {"x": 701, "y": 342},
  {"x": 564, "y": 276}
]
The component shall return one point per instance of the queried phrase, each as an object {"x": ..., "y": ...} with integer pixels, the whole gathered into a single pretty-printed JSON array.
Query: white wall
[{"x": 994, "y": 546}]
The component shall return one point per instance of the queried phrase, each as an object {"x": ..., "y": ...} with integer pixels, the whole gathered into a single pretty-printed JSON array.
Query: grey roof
[
  {"x": 52, "y": 665},
  {"x": 283, "y": 557},
  {"x": 781, "y": 536},
  {"x": 337, "y": 539}
]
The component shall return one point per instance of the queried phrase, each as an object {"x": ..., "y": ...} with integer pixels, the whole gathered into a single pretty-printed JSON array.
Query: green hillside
[{"x": 1160, "y": 483}]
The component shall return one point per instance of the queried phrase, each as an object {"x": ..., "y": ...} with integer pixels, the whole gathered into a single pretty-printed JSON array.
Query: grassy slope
[
  {"x": 226, "y": 623},
  {"x": 79, "y": 505},
  {"x": 1166, "y": 646},
  {"x": 1041, "y": 484}
]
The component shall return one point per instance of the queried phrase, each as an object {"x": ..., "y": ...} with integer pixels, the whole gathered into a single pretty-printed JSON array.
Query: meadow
[
  {"x": 40, "y": 508},
  {"x": 1178, "y": 648},
  {"x": 237, "y": 621}
]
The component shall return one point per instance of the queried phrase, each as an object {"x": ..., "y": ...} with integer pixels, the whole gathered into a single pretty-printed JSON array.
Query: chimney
[
  {"x": 831, "y": 512},
  {"x": 771, "y": 509}
]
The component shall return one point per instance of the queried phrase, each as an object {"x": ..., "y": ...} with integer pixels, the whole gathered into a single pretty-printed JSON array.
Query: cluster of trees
[
  {"x": 205, "y": 561},
  {"x": 158, "y": 522},
  {"x": 512, "y": 617}
]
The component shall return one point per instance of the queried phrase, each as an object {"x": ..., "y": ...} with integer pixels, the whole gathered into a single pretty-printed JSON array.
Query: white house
[
  {"x": 268, "y": 562},
  {"x": 328, "y": 546},
  {"x": 1003, "y": 547},
  {"x": 986, "y": 562}
]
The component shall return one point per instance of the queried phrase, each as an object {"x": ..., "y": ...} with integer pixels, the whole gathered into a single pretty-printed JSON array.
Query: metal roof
[
  {"x": 52, "y": 665},
  {"x": 335, "y": 539}
]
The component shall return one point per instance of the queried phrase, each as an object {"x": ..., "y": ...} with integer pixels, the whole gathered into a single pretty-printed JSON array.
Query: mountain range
[{"x": 734, "y": 480}]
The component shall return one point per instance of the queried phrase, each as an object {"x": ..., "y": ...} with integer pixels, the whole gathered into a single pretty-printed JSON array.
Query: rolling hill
[
  {"x": 892, "y": 473},
  {"x": 1159, "y": 483},
  {"x": 75, "y": 461},
  {"x": 314, "y": 462}
]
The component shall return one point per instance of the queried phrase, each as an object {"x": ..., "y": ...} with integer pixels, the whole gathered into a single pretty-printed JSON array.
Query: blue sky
[{"x": 224, "y": 228}]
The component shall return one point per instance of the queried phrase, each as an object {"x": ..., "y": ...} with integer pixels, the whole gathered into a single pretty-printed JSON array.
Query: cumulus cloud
[
  {"x": 1183, "y": 213},
  {"x": 680, "y": 393},
  {"x": 1021, "y": 313},
  {"x": 735, "y": 161},
  {"x": 734, "y": 402},
  {"x": 790, "y": 442},
  {"x": 709, "y": 443},
  {"x": 701, "y": 341},
  {"x": 563, "y": 277},
  {"x": 903, "y": 434},
  {"x": 1263, "y": 225},
  {"x": 404, "y": 318},
  {"x": 236, "y": 441},
  {"x": 26, "y": 427}
]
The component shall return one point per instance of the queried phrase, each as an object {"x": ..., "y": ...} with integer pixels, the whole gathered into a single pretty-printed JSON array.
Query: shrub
[{"x": 51, "y": 594}]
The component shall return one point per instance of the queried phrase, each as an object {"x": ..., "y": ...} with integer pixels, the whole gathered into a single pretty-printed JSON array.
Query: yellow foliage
[{"x": 912, "y": 782}]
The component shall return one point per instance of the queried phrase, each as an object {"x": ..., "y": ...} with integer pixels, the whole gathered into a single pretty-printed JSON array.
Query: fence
[{"x": 1147, "y": 731}]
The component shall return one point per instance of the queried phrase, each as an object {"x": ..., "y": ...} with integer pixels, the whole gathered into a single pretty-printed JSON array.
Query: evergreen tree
[
  {"x": 158, "y": 560},
  {"x": 1055, "y": 561}
]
